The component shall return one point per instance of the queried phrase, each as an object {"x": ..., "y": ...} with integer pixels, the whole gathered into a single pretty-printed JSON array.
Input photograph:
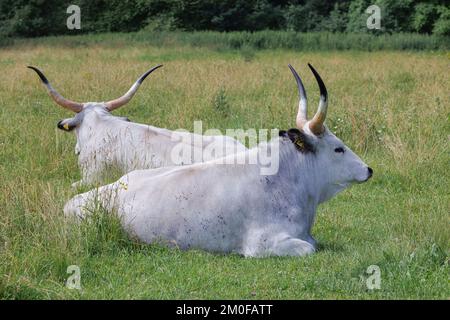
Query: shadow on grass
[{"x": 325, "y": 246}]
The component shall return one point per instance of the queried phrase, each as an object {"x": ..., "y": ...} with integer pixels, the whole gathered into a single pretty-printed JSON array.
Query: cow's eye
[{"x": 339, "y": 150}]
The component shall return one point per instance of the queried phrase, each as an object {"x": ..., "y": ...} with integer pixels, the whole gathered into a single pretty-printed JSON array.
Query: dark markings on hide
[
  {"x": 221, "y": 219},
  {"x": 299, "y": 139}
]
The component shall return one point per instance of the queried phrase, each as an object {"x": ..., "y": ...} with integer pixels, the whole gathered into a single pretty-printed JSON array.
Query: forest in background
[{"x": 22, "y": 18}]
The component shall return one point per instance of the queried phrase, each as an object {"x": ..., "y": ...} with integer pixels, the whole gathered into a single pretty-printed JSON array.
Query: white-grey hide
[
  {"x": 106, "y": 142},
  {"x": 233, "y": 208}
]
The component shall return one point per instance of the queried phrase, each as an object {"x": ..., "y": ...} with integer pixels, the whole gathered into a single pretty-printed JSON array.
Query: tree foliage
[{"x": 48, "y": 17}]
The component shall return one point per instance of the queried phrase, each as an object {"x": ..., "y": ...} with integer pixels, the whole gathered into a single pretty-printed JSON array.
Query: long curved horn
[
  {"x": 114, "y": 104},
  {"x": 59, "y": 99},
  {"x": 302, "y": 114},
  {"x": 316, "y": 124}
]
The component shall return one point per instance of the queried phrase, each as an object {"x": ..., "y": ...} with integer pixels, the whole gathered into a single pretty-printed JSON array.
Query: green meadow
[{"x": 391, "y": 107}]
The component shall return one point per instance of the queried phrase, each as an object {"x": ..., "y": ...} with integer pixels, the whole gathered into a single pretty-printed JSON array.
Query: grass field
[{"x": 392, "y": 108}]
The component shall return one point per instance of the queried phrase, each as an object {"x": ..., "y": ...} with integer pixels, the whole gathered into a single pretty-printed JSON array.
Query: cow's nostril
[{"x": 370, "y": 171}]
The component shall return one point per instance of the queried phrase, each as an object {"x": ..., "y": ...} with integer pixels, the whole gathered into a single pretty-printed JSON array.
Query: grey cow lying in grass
[
  {"x": 106, "y": 142},
  {"x": 232, "y": 207}
]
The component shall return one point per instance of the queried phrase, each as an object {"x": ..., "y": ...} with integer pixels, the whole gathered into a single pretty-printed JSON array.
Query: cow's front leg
[
  {"x": 292, "y": 247},
  {"x": 261, "y": 243}
]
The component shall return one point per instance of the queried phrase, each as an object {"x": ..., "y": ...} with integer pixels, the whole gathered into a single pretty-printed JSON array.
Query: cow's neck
[
  {"x": 295, "y": 188},
  {"x": 303, "y": 175}
]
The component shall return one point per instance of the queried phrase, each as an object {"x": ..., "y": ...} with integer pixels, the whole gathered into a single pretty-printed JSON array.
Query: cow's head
[
  {"x": 89, "y": 111},
  {"x": 338, "y": 166}
]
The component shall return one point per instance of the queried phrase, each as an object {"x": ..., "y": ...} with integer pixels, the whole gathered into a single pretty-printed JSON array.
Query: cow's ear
[
  {"x": 282, "y": 133},
  {"x": 67, "y": 124},
  {"x": 301, "y": 141}
]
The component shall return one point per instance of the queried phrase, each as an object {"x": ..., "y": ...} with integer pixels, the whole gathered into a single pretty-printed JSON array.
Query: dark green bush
[
  {"x": 442, "y": 24},
  {"x": 32, "y": 18},
  {"x": 424, "y": 17}
]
